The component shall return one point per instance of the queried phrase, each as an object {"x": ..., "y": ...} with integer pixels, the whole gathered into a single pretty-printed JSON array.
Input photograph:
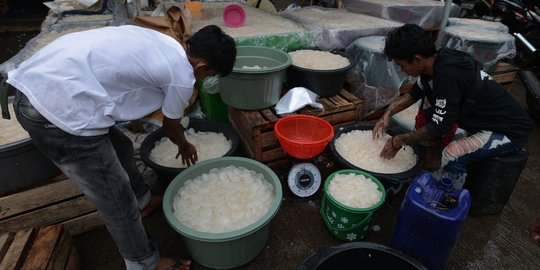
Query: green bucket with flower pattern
[{"x": 344, "y": 222}]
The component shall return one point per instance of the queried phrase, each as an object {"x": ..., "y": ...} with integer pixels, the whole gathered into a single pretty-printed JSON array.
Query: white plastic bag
[{"x": 296, "y": 99}]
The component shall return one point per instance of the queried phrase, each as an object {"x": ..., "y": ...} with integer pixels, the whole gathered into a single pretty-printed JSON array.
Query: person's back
[
  {"x": 483, "y": 104},
  {"x": 92, "y": 78}
]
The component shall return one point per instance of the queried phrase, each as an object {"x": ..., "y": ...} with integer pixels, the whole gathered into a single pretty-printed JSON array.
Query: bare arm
[
  {"x": 175, "y": 132},
  {"x": 402, "y": 103},
  {"x": 394, "y": 144}
]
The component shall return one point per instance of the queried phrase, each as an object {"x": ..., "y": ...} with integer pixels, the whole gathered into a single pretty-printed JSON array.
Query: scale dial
[{"x": 304, "y": 179}]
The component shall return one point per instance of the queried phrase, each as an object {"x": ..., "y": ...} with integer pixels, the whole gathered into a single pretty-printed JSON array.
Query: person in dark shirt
[{"x": 455, "y": 92}]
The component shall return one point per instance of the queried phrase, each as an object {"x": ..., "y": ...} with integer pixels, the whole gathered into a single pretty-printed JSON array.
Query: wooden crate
[
  {"x": 38, "y": 248},
  {"x": 57, "y": 202},
  {"x": 256, "y": 128},
  {"x": 505, "y": 74}
]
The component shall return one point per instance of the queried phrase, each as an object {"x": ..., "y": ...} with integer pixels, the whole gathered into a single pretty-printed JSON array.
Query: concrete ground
[{"x": 498, "y": 241}]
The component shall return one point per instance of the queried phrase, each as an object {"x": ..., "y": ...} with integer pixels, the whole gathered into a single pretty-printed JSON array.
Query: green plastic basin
[
  {"x": 230, "y": 249},
  {"x": 255, "y": 88}
]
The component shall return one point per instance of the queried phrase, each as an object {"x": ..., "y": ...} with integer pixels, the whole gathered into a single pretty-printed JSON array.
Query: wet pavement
[{"x": 498, "y": 241}]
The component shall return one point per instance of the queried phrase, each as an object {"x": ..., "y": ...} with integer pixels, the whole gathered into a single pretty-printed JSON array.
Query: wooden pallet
[
  {"x": 58, "y": 202},
  {"x": 256, "y": 128},
  {"x": 38, "y": 249},
  {"x": 505, "y": 74}
]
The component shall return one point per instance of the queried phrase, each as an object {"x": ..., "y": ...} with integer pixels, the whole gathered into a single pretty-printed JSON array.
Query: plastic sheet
[
  {"x": 55, "y": 26},
  {"x": 426, "y": 13},
  {"x": 296, "y": 99},
  {"x": 481, "y": 24},
  {"x": 335, "y": 29},
  {"x": 261, "y": 28},
  {"x": 487, "y": 46},
  {"x": 373, "y": 78}
]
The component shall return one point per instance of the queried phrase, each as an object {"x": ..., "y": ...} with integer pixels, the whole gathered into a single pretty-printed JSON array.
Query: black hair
[
  {"x": 213, "y": 45},
  {"x": 405, "y": 42}
]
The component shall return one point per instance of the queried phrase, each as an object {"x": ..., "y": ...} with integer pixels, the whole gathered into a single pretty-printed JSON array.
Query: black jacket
[{"x": 460, "y": 92}]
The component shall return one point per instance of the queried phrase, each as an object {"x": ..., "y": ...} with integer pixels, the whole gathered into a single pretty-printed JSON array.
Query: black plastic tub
[
  {"x": 360, "y": 255},
  {"x": 168, "y": 173},
  {"x": 23, "y": 166},
  {"x": 392, "y": 181},
  {"x": 324, "y": 83}
]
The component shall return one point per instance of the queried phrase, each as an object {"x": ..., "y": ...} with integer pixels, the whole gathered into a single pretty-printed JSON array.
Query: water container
[
  {"x": 430, "y": 221},
  {"x": 210, "y": 100}
]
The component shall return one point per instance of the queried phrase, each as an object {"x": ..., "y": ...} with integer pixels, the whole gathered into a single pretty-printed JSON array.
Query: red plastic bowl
[
  {"x": 303, "y": 136},
  {"x": 234, "y": 15}
]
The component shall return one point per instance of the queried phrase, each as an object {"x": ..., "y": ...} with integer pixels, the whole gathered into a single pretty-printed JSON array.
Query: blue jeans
[
  {"x": 104, "y": 169},
  {"x": 495, "y": 145}
]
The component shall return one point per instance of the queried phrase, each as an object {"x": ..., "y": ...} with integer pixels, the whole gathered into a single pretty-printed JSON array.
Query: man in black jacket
[{"x": 456, "y": 92}]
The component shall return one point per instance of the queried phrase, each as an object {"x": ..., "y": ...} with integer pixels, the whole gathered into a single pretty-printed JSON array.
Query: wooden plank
[
  {"x": 342, "y": 103},
  {"x": 49, "y": 215},
  {"x": 16, "y": 253},
  {"x": 43, "y": 248},
  {"x": 60, "y": 256},
  {"x": 273, "y": 154},
  {"x": 21, "y": 202},
  {"x": 339, "y": 118},
  {"x": 74, "y": 260},
  {"x": 350, "y": 96},
  {"x": 270, "y": 115},
  {"x": 505, "y": 77},
  {"x": 5, "y": 241},
  {"x": 82, "y": 224},
  {"x": 268, "y": 139},
  {"x": 327, "y": 105},
  {"x": 254, "y": 118}
]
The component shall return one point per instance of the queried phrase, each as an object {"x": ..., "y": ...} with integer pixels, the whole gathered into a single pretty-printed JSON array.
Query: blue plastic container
[{"x": 430, "y": 221}]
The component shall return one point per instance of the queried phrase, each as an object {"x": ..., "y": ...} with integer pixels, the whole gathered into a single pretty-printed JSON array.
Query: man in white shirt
[{"x": 71, "y": 93}]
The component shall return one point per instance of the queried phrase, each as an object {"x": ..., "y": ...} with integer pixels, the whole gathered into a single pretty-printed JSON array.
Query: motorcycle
[{"x": 522, "y": 17}]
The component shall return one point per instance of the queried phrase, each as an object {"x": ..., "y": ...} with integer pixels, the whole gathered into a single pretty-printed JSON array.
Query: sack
[
  {"x": 174, "y": 24},
  {"x": 421, "y": 121}
]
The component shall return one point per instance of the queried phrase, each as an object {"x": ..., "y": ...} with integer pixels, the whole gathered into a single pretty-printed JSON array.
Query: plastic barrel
[{"x": 344, "y": 222}]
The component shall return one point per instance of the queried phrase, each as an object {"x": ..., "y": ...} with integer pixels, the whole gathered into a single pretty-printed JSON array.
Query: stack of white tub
[
  {"x": 335, "y": 29},
  {"x": 426, "y": 13},
  {"x": 488, "y": 42}
]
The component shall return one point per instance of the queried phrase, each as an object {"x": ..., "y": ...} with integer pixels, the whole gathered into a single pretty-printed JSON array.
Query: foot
[
  {"x": 166, "y": 263},
  {"x": 534, "y": 231},
  {"x": 153, "y": 204}
]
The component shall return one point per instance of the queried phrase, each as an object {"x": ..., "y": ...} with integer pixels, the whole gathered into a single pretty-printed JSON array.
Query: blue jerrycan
[{"x": 430, "y": 220}]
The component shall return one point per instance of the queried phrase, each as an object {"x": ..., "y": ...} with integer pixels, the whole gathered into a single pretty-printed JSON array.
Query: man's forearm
[{"x": 416, "y": 136}]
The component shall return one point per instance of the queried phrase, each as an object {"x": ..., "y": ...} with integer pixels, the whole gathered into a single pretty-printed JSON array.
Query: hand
[
  {"x": 390, "y": 149},
  {"x": 380, "y": 127},
  {"x": 188, "y": 153}
]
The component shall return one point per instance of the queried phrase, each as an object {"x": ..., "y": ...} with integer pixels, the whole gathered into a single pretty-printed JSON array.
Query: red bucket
[{"x": 303, "y": 136}]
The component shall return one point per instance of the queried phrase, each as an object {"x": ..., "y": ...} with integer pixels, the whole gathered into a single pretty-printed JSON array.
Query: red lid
[{"x": 234, "y": 15}]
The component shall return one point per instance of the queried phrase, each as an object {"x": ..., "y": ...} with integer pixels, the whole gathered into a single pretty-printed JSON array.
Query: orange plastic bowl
[{"x": 303, "y": 136}]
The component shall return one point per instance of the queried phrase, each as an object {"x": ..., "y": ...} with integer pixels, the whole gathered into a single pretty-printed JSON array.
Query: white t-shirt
[{"x": 83, "y": 82}]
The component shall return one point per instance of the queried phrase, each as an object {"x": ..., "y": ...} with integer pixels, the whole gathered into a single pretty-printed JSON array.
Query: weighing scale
[
  {"x": 303, "y": 139},
  {"x": 305, "y": 179}
]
